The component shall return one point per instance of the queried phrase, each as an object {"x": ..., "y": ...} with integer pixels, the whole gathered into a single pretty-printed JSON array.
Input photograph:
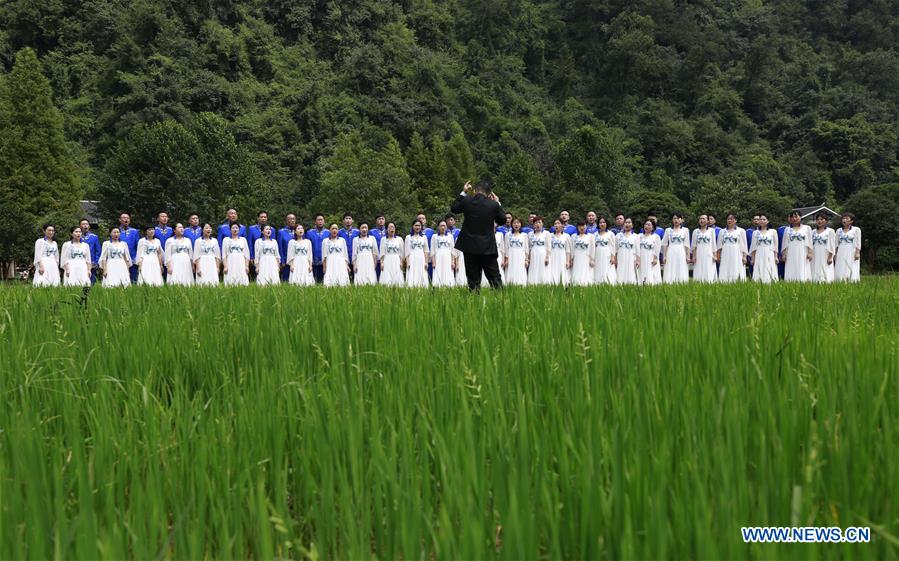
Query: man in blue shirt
[
  {"x": 163, "y": 230},
  {"x": 285, "y": 234},
  {"x": 569, "y": 229},
  {"x": 93, "y": 243},
  {"x": 451, "y": 226},
  {"x": 619, "y": 224},
  {"x": 130, "y": 236},
  {"x": 507, "y": 227},
  {"x": 379, "y": 230},
  {"x": 348, "y": 233},
  {"x": 316, "y": 235},
  {"x": 224, "y": 230},
  {"x": 255, "y": 232},
  {"x": 529, "y": 227},
  {"x": 592, "y": 226},
  {"x": 194, "y": 230}
]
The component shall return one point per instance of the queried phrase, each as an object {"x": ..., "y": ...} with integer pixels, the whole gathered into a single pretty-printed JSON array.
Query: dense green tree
[
  {"x": 39, "y": 180},
  {"x": 594, "y": 161},
  {"x": 181, "y": 168},
  {"x": 362, "y": 177},
  {"x": 876, "y": 209}
]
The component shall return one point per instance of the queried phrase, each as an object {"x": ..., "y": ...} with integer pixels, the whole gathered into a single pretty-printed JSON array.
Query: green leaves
[{"x": 39, "y": 181}]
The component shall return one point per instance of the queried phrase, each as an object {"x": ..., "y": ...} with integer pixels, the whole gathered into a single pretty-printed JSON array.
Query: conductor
[{"x": 477, "y": 241}]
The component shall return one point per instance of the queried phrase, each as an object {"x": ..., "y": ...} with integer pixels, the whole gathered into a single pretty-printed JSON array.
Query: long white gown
[
  {"x": 442, "y": 248},
  {"x": 733, "y": 249},
  {"x": 78, "y": 257},
  {"x": 538, "y": 269},
  {"x": 46, "y": 253},
  {"x": 823, "y": 243},
  {"x": 582, "y": 253},
  {"x": 115, "y": 259},
  {"x": 236, "y": 256},
  {"x": 517, "y": 248},
  {"x": 500, "y": 239},
  {"x": 334, "y": 255},
  {"x": 627, "y": 258},
  {"x": 559, "y": 252},
  {"x": 649, "y": 249},
  {"x": 417, "y": 261},
  {"x": 764, "y": 267},
  {"x": 704, "y": 247},
  {"x": 461, "y": 277},
  {"x": 676, "y": 243},
  {"x": 268, "y": 262},
  {"x": 796, "y": 243},
  {"x": 365, "y": 253},
  {"x": 149, "y": 269},
  {"x": 392, "y": 252},
  {"x": 179, "y": 259},
  {"x": 299, "y": 259},
  {"x": 207, "y": 255},
  {"x": 847, "y": 267},
  {"x": 605, "y": 246}
]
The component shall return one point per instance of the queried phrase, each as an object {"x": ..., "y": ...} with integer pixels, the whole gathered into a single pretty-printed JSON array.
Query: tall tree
[
  {"x": 38, "y": 177},
  {"x": 181, "y": 168},
  {"x": 363, "y": 178}
]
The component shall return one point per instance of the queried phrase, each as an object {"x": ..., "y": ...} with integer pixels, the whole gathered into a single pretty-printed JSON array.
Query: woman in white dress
[
  {"x": 559, "y": 255},
  {"x": 179, "y": 259},
  {"x": 676, "y": 247},
  {"x": 732, "y": 252},
  {"x": 797, "y": 250},
  {"x": 75, "y": 259},
  {"x": 442, "y": 248},
  {"x": 267, "y": 259},
  {"x": 149, "y": 259},
  {"x": 538, "y": 262},
  {"x": 236, "y": 258},
  {"x": 46, "y": 259},
  {"x": 516, "y": 255},
  {"x": 393, "y": 250},
  {"x": 704, "y": 252},
  {"x": 582, "y": 256},
  {"x": 299, "y": 258},
  {"x": 849, "y": 250},
  {"x": 416, "y": 257},
  {"x": 605, "y": 248},
  {"x": 763, "y": 253},
  {"x": 824, "y": 247},
  {"x": 628, "y": 244},
  {"x": 115, "y": 261},
  {"x": 365, "y": 254},
  {"x": 207, "y": 258},
  {"x": 335, "y": 259},
  {"x": 649, "y": 271}
]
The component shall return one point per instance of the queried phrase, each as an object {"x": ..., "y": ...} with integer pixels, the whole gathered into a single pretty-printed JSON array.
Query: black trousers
[{"x": 475, "y": 264}]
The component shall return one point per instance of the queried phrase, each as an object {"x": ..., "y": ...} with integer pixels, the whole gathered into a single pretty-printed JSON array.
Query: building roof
[{"x": 807, "y": 211}]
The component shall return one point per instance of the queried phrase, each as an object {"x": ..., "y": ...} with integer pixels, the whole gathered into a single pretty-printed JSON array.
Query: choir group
[{"x": 590, "y": 252}]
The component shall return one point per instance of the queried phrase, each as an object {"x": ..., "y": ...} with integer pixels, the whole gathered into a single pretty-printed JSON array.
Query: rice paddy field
[{"x": 600, "y": 423}]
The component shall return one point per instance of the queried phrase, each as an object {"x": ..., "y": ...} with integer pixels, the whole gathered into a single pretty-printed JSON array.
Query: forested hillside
[{"x": 375, "y": 105}]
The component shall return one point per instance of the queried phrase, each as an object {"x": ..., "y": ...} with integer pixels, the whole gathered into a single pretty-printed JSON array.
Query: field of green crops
[{"x": 603, "y": 423}]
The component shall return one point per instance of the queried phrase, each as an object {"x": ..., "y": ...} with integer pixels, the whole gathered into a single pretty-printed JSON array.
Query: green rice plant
[{"x": 599, "y": 423}]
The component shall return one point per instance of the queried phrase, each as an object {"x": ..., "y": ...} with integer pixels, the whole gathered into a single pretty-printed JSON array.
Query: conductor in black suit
[{"x": 477, "y": 241}]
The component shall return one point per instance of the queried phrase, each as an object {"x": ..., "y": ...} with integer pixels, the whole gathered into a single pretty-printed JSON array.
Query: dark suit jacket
[{"x": 477, "y": 236}]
